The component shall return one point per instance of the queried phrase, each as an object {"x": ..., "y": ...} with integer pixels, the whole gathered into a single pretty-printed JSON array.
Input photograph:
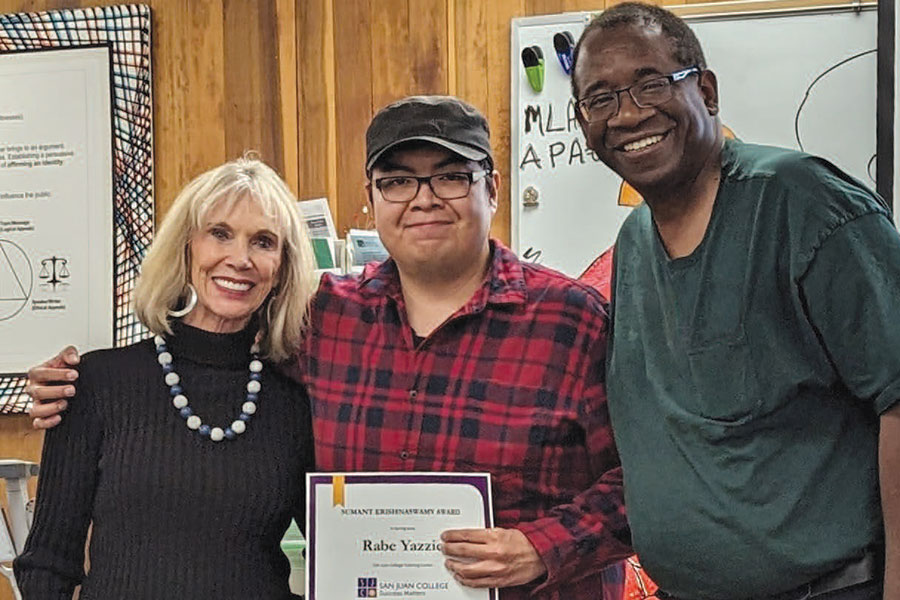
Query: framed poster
[{"x": 76, "y": 202}]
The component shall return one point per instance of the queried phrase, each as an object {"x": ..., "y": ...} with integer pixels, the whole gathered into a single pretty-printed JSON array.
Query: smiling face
[
  {"x": 658, "y": 148},
  {"x": 235, "y": 257},
  {"x": 428, "y": 235}
]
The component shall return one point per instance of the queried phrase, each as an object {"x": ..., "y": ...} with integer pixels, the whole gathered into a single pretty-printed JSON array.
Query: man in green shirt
[{"x": 754, "y": 367}]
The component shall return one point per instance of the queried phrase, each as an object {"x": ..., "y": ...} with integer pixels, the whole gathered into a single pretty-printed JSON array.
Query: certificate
[{"x": 377, "y": 535}]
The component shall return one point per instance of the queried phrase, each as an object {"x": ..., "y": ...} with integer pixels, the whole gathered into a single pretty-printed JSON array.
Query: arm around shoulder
[{"x": 50, "y": 385}]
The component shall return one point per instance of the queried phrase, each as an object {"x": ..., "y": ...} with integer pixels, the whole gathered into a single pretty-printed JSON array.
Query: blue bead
[
  {"x": 161, "y": 348},
  {"x": 175, "y": 390},
  {"x": 204, "y": 430},
  {"x": 186, "y": 412},
  {"x": 245, "y": 417},
  {"x": 229, "y": 433},
  {"x": 168, "y": 368},
  {"x": 255, "y": 376},
  {"x": 251, "y": 397}
]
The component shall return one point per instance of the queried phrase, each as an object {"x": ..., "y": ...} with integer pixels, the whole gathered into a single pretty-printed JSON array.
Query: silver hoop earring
[
  {"x": 269, "y": 311},
  {"x": 189, "y": 305}
]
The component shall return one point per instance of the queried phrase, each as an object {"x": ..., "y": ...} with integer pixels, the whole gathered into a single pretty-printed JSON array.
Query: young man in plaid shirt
[{"x": 455, "y": 356}]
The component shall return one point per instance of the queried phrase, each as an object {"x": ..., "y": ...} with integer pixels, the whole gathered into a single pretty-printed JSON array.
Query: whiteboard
[{"x": 764, "y": 62}]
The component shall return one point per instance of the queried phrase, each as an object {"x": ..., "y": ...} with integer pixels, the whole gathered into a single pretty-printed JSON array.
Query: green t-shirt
[{"x": 745, "y": 380}]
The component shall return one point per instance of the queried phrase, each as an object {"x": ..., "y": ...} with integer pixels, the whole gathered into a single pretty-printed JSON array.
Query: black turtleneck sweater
[{"x": 174, "y": 515}]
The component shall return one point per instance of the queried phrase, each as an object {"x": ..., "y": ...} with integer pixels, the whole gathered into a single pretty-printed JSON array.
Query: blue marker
[{"x": 564, "y": 44}]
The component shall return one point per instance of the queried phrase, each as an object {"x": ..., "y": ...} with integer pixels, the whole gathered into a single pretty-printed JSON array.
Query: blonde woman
[{"x": 187, "y": 451}]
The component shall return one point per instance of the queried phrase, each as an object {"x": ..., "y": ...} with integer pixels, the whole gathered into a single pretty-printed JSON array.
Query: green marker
[{"x": 533, "y": 59}]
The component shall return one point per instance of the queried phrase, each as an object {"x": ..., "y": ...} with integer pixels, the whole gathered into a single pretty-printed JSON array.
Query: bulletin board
[{"x": 792, "y": 78}]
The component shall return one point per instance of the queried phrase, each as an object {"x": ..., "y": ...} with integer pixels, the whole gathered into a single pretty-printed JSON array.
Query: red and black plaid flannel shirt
[{"x": 511, "y": 384}]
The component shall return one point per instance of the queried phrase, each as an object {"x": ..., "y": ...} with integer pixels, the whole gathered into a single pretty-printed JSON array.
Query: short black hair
[
  {"x": 486, "y": 163},
  {"x": 686, "y": 48}
]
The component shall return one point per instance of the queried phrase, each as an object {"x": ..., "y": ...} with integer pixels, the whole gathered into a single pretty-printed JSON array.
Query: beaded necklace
[{"x": 180, "y": 401}]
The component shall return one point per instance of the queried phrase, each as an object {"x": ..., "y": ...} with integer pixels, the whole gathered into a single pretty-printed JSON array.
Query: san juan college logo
[{"x": 366, "y": 587}]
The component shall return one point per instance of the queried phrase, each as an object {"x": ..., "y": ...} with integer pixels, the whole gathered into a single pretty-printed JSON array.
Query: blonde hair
[{"x": 165, "y": 271}]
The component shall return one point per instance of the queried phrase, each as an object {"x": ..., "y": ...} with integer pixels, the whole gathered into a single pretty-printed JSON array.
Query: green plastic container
[{"x": 293, "y": 545}]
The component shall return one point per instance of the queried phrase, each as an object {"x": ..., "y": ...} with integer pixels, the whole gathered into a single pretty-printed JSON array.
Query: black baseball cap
[{"x": 442, "y": 120}]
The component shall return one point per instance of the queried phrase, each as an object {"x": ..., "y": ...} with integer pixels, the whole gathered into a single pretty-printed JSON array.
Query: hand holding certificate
[
  {"x": 491, "y": 557},
  {"x": 378, "y": 535}
]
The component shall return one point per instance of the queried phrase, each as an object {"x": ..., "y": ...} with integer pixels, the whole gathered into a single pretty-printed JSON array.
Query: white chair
[{"x": 14, "y": 529}]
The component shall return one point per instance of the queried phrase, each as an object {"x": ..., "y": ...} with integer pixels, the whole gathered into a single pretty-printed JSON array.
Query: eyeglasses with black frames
[
  {"x": 446, "y": 186},
  {"x": 646, "y": 94}
]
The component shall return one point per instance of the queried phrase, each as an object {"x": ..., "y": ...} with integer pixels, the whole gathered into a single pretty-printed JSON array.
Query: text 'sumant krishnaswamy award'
[{"x": 377, "y": 535}]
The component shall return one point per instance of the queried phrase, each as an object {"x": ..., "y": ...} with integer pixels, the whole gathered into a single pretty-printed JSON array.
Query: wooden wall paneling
[
  {"x": 286, "y": 33},
  {"x": 452, "y": 72},
  {"x": 573, "y": 5},
  {"x": 409, "y": 49},
  {"x": 391, "y": 58},
  {"x": 330, "y": 77},
  {"x": 543, "y": 7},
  {"x": 188, "y": 94},
  {"x": 353, "y": 100},
  {"x": 550, "y": 7},
  {"x": 472, "y": 71},
  {"x": 499, "y": 14},
  {"x": 252, "y": 81},
  {"x": 315, "y": 99},
  {"x": 474, "y": 77},
  {"x": 658, "y": 2},
  {"x": 13, "y": 6},
  {"x": 428, "y": 46}
]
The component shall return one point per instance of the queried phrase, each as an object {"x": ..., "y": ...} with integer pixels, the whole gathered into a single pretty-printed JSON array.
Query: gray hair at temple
[{"x": 686, "y": 48}]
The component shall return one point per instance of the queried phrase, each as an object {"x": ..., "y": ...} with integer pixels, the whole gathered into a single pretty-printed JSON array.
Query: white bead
[
  {"x": 194, "y": 422},
  {"x": 239, "y": 427},
  {"x": 180, "y": 401},
  {"x": 255, "y": 366},
  {"x": 159, "y": 340},
  {"x": 253, "y": 387},
  {"x": 164, "y": 359},
  {"x": 248, "y": 407},
  {"x": 254, "y": 349},
  {"x": 217, "y": 435},
  {"x": 172, "y": 378}
]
